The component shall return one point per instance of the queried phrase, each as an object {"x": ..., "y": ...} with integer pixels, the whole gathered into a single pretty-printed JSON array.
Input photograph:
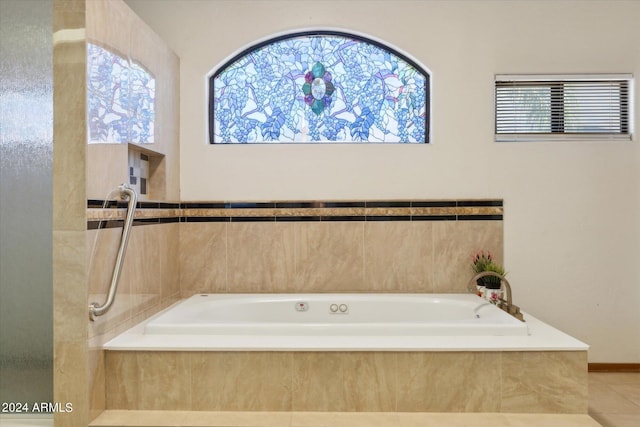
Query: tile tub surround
[
  {"x": 275, "y": 247},
  {"x": 322, "y": 246},
  {"x": 507, "y": 382}
]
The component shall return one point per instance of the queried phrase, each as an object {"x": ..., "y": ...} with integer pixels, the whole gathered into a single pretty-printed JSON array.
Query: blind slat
[{"x": 563, "y": 106}]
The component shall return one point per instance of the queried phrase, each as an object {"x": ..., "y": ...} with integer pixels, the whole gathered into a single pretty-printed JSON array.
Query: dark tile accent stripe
[
  {"x": 298, "y": 205},
  {"x": 383, "y": 204},
  {"x": 435, "y": 204},
  {"x": 205, "y": 219},
  {"x": 479, "y": 203},
  {"x": 303, "y": 211},
  {"x": 203, "y": 205},
  {"x": 433, "y": 218},
  {"x": 101, "y": 204},
  {"x": 298, "y": 218},
  {"x": 479, "y": 217},
  {"x": 98, "y": 225},
  {"x": 253, "y": 219},
  {"x": 343, "y": 218},
  {"x": 388, "y": 218},
  {"x": 251, "y": 205},
  {"x": 342, "y": 204}
]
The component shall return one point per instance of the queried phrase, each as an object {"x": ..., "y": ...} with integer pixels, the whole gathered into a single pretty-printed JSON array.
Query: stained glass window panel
[
  {"x": 319, "y": 87},
  {"x": 120, "y": 99}
]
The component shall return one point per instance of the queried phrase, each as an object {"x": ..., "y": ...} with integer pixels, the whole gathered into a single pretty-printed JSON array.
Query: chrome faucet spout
[
  {"x": 471, "y": 286},
  {"x": 506, "y": 305}
]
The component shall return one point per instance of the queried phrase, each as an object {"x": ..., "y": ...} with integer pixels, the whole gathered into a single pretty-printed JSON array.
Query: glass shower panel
[{"x": 26, "y": 152}]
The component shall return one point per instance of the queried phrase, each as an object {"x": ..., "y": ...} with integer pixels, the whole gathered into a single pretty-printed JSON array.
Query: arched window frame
[{"x": 318, "y": 32}]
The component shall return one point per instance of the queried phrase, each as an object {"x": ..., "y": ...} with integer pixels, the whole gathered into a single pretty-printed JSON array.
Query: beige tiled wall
[
  {"x": 359, "y": 256},
  {"x": 349, "y": 381},
  {"x": 69, "y": 217},
  {"x": 82, "y": 271},
  {"x": 114, "y": 26}
]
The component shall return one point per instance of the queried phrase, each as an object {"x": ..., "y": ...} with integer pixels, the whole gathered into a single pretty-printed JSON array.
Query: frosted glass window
[
  {"x": 319, "y": 87},
  {"x": 120, "y": 99}
]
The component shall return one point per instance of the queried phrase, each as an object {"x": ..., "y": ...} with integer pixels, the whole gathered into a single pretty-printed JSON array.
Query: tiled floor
[{"x": 614, "y": 399}]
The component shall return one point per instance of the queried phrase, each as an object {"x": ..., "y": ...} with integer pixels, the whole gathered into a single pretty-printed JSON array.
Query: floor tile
[
  {"x": 617, "y": 420},
  {"x": 603, "y": 399}
]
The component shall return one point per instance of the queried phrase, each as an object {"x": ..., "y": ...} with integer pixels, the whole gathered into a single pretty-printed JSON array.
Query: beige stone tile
[
  {"x": 203, "y": 257},
  {"x": 143, "y": 261},
  {"x": 260, "y": 257},
  {"x": 454, "y": 243},
  {"x": 545, "y": 420},
  {"x": 370, "y": 381},
  {"x": 452, "y": 420},
  {"x": 106, "y": 168},
  {"x": 241, "y": 381},
  {"x": 344, "y": 419},
  {"x": 449, "y": 382},
  {"x": 96, "y": 373},
  {"x": 193, "y": 418},
  {"x": 122, "y": 388},
  {"x": 148, "y": 380},
  {"x": 329, "y": 256},
  {"x": 70, "y": 310},
  {"x": 168, "y": 241},
  {"x": 164, "y": 380},
  {"x": 398, "y": 256},
  {"x": 102, "y": 249},
  {"x": 70, "y": 382},
  {"x": 240, "y": 419},
  {"x": 318, "y": 382},
  {"x": 551, "y": 382},
  {"x": 69, "y": 135},
  {"x": 68, "y": 14}
]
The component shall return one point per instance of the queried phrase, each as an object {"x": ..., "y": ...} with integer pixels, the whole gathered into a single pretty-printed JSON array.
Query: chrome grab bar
[{"x": 125, "y": 193}]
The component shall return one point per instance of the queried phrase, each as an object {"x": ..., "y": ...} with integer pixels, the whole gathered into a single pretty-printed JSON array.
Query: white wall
[{"x": 572, "y": 223}]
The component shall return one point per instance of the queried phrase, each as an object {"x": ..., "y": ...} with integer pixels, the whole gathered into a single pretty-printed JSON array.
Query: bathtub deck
[
  {"x": 542, "y": 337},
  {"x": 117, "y": 418}
]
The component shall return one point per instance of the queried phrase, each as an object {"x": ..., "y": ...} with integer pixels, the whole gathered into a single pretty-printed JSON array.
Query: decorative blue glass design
[
  {"x": 120, "y": 99},
  {"x": 319, "y": 87}
]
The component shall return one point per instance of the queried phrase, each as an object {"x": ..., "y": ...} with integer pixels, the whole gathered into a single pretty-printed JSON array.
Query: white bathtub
[
  {"x": 365, "y": 322},
  {"x": 336, "y": 315}
]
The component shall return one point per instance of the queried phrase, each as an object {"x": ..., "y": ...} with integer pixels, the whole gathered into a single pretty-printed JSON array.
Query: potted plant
[{"x": 483, "y": 261}]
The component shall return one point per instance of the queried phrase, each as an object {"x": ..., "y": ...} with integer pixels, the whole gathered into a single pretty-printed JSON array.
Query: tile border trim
[{"x": 111, "y": 213}]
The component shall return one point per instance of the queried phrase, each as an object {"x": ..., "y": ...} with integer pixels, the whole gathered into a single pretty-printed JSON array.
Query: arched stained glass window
[{"x": 321, "y": 86}]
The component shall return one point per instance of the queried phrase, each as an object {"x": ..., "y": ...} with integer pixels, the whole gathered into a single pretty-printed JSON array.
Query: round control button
[
  {"x": 333, "y": 308},
  {"x": 343, "y": 307}
]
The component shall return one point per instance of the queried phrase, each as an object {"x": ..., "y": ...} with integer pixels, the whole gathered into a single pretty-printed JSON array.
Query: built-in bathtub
[
  {"x": 345, "y": 352},
  {"x": 340, "y": 322},
  {"x": 336, "y": 315}
]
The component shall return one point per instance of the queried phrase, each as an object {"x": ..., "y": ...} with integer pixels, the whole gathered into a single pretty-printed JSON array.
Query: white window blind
[{"x": 562, "y": 107}]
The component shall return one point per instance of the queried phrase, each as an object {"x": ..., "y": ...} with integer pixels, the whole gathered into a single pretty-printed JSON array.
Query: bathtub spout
[
  {"x": 506, "y": 305},
  {"x": 476, "y": 310}
]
